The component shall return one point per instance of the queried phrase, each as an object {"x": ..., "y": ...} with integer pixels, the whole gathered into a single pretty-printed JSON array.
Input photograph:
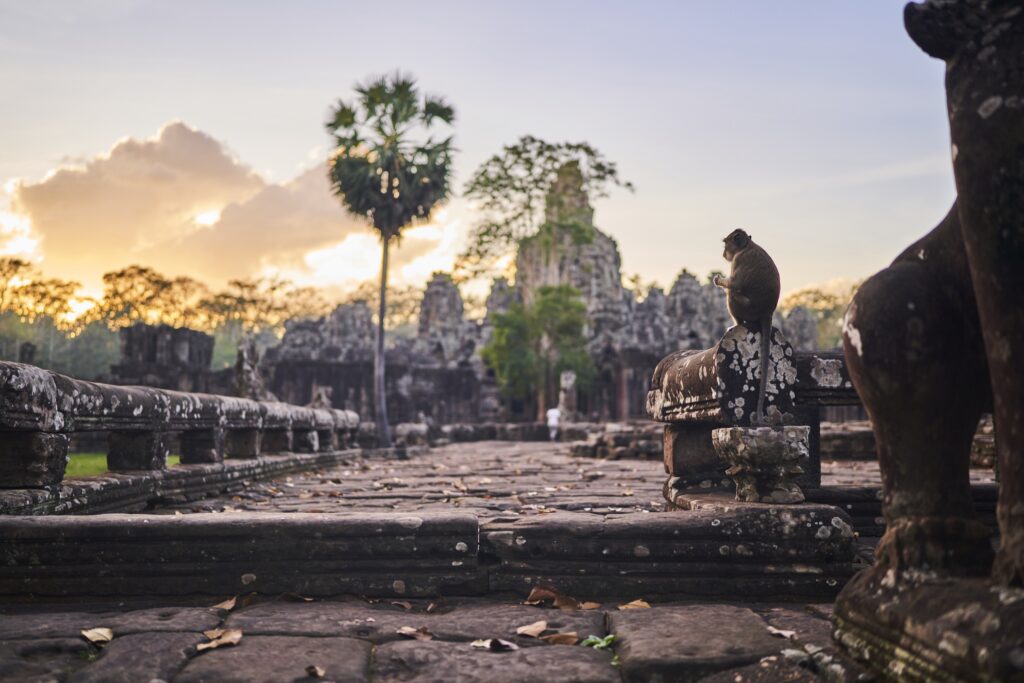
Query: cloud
[
  {"x": 181, "y": 203},
  {"x": 106, "y": 212}
]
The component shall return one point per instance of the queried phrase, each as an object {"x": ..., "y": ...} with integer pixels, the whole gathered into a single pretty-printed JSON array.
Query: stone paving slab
[
  {"x": 687, "y": 642},
  {"x": 140, "y": 657},
  {"x": 353, "y": 640},
  {"x": 380, "y": 623},
  {"x": 276, "y": 659},
  {"x": 442, "y": 662},
  {"x": 69, "y": 624}
]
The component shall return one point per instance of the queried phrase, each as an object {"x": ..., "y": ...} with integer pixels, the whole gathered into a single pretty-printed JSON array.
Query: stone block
[
  {"x": 690, "y": 455},
  {"x": 277, "y": 441},
  {"x": 272, "y": 659},
  {"x": 686, "y": 643},
  {"x": 140, "y": 657},
  {"x": 242, "y": 443},
  {"x": 415, "y": 661},
  {"x": 129, "y": 451},
  {"x": 764, "y": 462},
  {"x": 202, "y": 446},
  {"x": 305, "y": 441},
  {"x": 32, "y": 459}
]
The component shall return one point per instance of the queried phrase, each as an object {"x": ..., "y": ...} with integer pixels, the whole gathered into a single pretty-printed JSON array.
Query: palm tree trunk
[{"x": 379, "y": 389}]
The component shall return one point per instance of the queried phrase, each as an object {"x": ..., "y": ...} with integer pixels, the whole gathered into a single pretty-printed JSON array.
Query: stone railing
[
  {"x": 40, "y": 410},
  {"x": 695, "y": 392}
]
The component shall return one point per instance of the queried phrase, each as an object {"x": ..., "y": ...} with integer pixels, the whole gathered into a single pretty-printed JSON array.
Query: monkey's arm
[{"x": 722, "y": 281}]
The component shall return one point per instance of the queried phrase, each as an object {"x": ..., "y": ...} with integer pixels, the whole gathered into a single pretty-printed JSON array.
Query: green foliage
[
  {"x": 531, "y": 346},
  {"x": 513, "y": 191},
  {"x": 599, "y": 643},
  {"x": 94, "y": 464},
  {"x": 828, "y": 304},
  {"x": 387, "y": 167}
]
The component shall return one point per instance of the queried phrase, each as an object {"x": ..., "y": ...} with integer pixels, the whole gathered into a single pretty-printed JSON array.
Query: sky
[{"x": 188, "y": 136}]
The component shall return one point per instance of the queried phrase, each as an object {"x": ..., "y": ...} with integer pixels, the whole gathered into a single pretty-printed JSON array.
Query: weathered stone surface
[
  {"x": 128, "y": 451},
  {"x": 439, "y": 662},
  {"x": 273, "y": 659},
  {"x": 22, "y": 624},
  {"x": 720, "y": 385},
  {"x": 29, "y": 399},
  {"x": 929, "y": 628},
  {"x": 32, "y": 459},
  {"x": 686, "y": 643},
  {"x": 140, "y": 657},
  {"x": 42, "y": 660},
  {"x": 764, "y": 462},
  {"x": 380, "y": 623},
  {"x": 391, "y": 555},
  {"x": 202, "y": 446},
  {"x": 771, "y": 669}
]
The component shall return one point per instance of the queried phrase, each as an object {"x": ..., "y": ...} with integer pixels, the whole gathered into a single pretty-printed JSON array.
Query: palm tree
[{"x": 388, "y": 168}]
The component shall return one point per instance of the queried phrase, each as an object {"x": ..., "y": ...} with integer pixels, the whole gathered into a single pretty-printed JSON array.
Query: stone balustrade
[
  {"x": 695, "y": 392},
  {"x": 39, "y": 410}
]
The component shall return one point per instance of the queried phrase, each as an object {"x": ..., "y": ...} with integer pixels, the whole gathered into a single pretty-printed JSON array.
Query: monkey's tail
[{"x": 766, "y": 344}]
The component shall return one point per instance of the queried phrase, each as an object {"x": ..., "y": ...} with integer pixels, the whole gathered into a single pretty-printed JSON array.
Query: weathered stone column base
[
  {"x": 277, "y": 441},
  {"x": 305, "y": 440},
  {"x": 131, "y": 451},
  {"x": 204, "y": 446},
  {"x": 32, "y": 459},
  {"x": 764, "y": 462},
  {"x": 933, "y": 629},
  {"x": 242, "y": 443}
]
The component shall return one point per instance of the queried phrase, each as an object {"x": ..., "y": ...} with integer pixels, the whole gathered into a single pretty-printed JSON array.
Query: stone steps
[{"x": 402, "y": 554}]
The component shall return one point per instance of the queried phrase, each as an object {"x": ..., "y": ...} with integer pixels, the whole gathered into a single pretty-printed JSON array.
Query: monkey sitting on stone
[{"x": 752, "y": 295}]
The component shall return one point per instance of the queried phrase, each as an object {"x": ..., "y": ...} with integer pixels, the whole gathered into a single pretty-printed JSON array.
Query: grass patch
[{"x": 92, "y": 464}]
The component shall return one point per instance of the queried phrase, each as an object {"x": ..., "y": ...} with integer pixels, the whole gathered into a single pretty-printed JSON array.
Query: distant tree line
[{"x": 77, "y": 334}]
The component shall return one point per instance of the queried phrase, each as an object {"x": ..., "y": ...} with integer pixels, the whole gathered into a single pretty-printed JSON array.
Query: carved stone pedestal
[
  {"x": 764, "y": 461},
  {"x": 925, "y": 628}
]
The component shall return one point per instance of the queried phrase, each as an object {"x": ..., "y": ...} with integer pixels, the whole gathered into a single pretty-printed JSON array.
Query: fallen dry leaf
[
  {"x": 420, "y": 633},
  {"x": 295, "y": 597},
  {"x": 781, "y": 633},
  {"x": 227, "y": 604},
  {"x": 98, "y": 636},
  {"x": 402, "y": 603},
  {"x": 228, "y": 637},
  {"x": 569, "y": 638},
  {"x": 432, "y": 607},
  {"x": 636, "y": 604},
  {"x": 214, "y": 633},
  {"x": 314, "y": 671},
  {"x": 532, "y": 630},
  {"x": 541, "y": 594},
  {"x": 590, "y": 605},
  {"x": 493, "y": 644}
]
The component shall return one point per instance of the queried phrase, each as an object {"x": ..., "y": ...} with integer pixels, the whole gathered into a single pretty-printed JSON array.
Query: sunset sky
[{"x": 188, "y": 136}]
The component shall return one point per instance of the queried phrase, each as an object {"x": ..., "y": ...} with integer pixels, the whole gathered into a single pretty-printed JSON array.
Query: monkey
[{"x": 752, "y": 295}]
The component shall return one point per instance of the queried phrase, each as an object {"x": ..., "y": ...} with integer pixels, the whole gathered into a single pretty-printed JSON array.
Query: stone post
[
  {"x": 32, "y": 459},
  {"x": 764, "y": 462},
  {"x": 202, "y": 446},
  {"x": 242, "y": 443},
  {"x": 133, "y": 451}
]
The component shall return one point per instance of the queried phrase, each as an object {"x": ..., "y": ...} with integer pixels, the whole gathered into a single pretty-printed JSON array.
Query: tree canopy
[
  {"x": 532, "y": 345},
  {"x": 512, "y": 190}
]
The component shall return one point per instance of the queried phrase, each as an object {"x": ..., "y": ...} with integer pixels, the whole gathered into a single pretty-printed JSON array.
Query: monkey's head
[{"x": 734, "y": 242}]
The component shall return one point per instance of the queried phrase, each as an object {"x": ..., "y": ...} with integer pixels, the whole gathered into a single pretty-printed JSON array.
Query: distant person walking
[{"x": 554, "y": 415}]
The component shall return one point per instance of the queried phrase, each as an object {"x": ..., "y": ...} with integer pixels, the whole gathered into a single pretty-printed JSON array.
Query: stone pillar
[
  {"x": 242, "y": 443},
  {"x": 133, "y": 451},
  {"x": 328, "y": 440},
  {"x": 764, "y": 462},
  {"x": 277, "y": 441},
  {"x": 32, "y": 459},
  {"x": 202, "y": 446},
  {"x": 305, "y": 440}
]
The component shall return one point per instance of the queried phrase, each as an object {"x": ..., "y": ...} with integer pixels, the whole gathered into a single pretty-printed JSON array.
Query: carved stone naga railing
[
  {"x": 40, "y": 410},
  {"x": 696, "y": 392}
]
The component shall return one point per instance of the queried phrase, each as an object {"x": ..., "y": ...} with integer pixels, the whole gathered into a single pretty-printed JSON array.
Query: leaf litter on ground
[
  {"x": 636, "y": 604},
  {"x": 494, "y": 645},
  {"x": 421, "y": 633}
]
